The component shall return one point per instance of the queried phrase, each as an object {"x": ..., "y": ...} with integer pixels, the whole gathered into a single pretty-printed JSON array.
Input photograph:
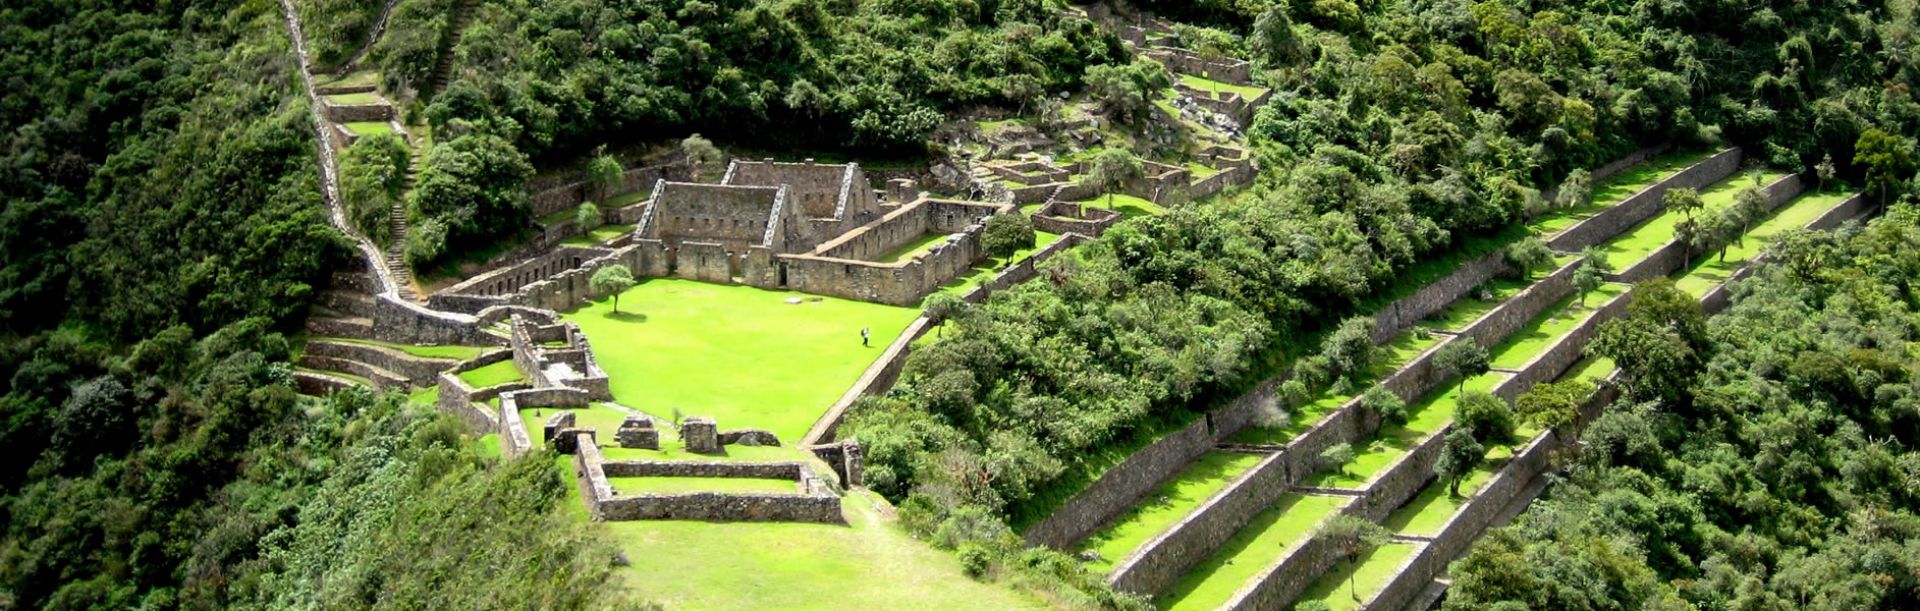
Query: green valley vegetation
[{"x": 1769, "y": 465}]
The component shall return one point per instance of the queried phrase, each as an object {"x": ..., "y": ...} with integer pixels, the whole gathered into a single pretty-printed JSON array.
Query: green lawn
[
  {"x": 1546, "y": 329},
  {"x": 1611, "y": 191},
  {"x": 626, "y": 199},
  {"x": 368, "y": 128},
  {"x": 1400, "y": 351},
  {"x": 1251, "y": 550},
  {"x": 353, "y": 99},
  {"x": 598, "y": 236},
  {"x": 739, "y": 354},
  {"x": 1425, "y": 418},
  {"x": 1173, "y": 501},
  {"x": 923, "y": 243},
  {"x": 986, "y": 270},
  {"x": 433, "y": 352},
  {"x": 1464, "y": 311},
  {"x": 1713, "y": 269},
  {"x": 1368, "y": 575},
  {"x": 1629, "y": 248},
  {"x": 352, "y": 79},
  {"x": 1430, "y": 510},
  {"x": 492, "y": 375},
  {"x": 1204, "y": 84},
  {"x": 868, "y": 564},
  {"x": 1126, "y": 205},
  {"x": 1592, "y": 369},
  {"x": 677, "y": 485},
  {"x": 425, "y": 396},
  {"x": 1201, "y": 170}
]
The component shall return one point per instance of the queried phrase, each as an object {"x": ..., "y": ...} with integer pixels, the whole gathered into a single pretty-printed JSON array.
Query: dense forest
[
  {"x": 1771, "y": 464},
  {"x": 1398, "y": 132}
]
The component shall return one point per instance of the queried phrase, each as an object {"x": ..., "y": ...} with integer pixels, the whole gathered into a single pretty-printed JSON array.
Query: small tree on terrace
[
  {"x": 1349, "y": 537},
  {"x": 1460, "y": 453},
  {"x": 1748, "y": 206},
  {"x": 1587, "y": 280},
  {"x": 703, "y": 158},
  {"x": 604, "y": 174},
  {"x": 1336, "y": 457},
  {"x": 1529, "y": 254},
  {"x": 612, "y": 280},
  {"x": 1718, "y": 229},
  {"x": 1490, "y": 418},
  {"x": 1553, "y": 406},
  {"x": 1112, "y": 169},
  {"x": 1462, "y": 357},
  {"x": 1823, "y": 172},
  {"x": 1576, "y": 191},
  {"x": 943, "y": 306},
  {"x": 587, "y": 216},
  {"x": 1688, "y": 202},
  {"x": 1006, "y": 234}
]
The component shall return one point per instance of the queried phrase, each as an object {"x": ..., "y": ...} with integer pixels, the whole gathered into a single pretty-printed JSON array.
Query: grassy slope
[
  {"x": 737, "y": 353},
  {"x": 1251, "y": 550},
  {"x": 1546, "y": 329},
  {"x": 1637, "y": 243},
  {"x": 1167, "y": 505},
  {"x": 1127, "y": 205},
  {"x": 368, "y": 128},
  {"x": 492, "y": 375}
]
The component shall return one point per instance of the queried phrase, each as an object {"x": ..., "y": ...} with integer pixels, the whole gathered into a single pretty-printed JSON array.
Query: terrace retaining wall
[
  {"x": 418, "y": 370},
  {"x": 1284, "y": 580},
  {"x": 1164, "y": 559},
  {"x": 1436, "y": 296},
  {"x": 1672, "y": 256},
  {"x": 1645, "y": 204},
  {"x": 1121, "y": 486}
]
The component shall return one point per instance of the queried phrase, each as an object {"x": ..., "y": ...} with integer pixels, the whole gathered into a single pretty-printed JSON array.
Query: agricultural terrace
[
  {"x": 1712, "y": 269},
  {"x": 1642, "y": 240}
]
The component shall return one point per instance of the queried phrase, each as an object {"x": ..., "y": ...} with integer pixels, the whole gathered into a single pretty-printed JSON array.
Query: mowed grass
[
  {"x": 1170, "y": 503},
  {"x": 1212, "y": 86},
  {"x": 368, "y": 128},
  {"x": 870, "y": 563},
  {"x": 1629, "y": 248},
  {"x": 599, "y": 235},
  {"x": 1592, "y": 369},
  {"x": 493, "y": 375},
  {"x": 1435, "y": 505},
  {"x": 987, "y": 269},
  {"x": 1465, "y": 310},
  {"x": 1713, "y": 269},
  {"x": 1620, "y": 186},
  {"x": 1400, "y": 351},
  {"x": 626, "y": 486},
  {"x": 354, "y": 99},
  {"x": 1126, "y": 205},
  {"x": 740, "y": 354},
  {"x": 923, "y": 243},
  {"x": 1549, "y": 327},
  {"x": 1252, "y": 550},
  {"x": 1369, "y": 574}
]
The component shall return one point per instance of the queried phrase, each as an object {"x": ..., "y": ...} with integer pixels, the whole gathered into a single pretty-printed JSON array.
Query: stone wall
[
  {"x": 1227, "y": 177},
  {"x": 873, "y": 240},
  {"x": 789, "y": 470},
  {"x": 404, "y": 322},
  {"x": 1722, "y": 296},
  {"x": 571, "y": 195},
  {"x": 1064, "y": 218},
  {"x": 1672, "y": 256},
  {"x": 727, "y": 507},
  {"x": 419, "y": 371},
  {"x": 1162, "y": 560},
  {"x": 1280, "y": 583},
  {"x": 1121, "y": 486},
  {"x": 847, "y": 460},
  {"x": 1400, "y": 481},
  {"x": 898, "y": 283},
  {"x": 1494, "y": 326},
  {"x": 1436, "y": 296},
  {"x": 734, "y": 215},
  {"x": 348, "y": 113},
  {"x": 1645, "y": 204},
  {"x": 1550, "y": 363},
  {"x": 1237, "y": 71},
  {"x": 509, "y": 280}
]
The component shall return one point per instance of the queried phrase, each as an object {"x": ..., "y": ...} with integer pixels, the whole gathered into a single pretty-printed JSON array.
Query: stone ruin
[
  {"x": 637, "y": 432},
  {"x": 700, "y": 435}
]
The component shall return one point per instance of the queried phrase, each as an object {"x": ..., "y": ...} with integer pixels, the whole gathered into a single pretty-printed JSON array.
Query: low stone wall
[
  {"x": 348, "y": 113},
  {"x": 1672, "y": 256},
  {"x": 1061, "y": 217},
  {"x": 381, "y": 378},
  {"x": 463, "y": 401},
  {"x": 1549, "y": 364},
  {"x": 1227, "y": 177},
  {"x": 1400, "y": 481},
  {"x": 1436, "y": 296},
  {"x": 1617, "y": 166},
  {"x": 1121, "y": 486},
  {"x": 420, "y": 371},
  {"x": 1494, "y": 326},
  {"x": 1236, "y": 71},
  {"x": 571, "y": 195},
  {"x": 791, "y": 470},
  {"x": 1280, "y": 583},
  {"x": 718, "y": 507},
  {"x": 845, "y": 458},
  {"x": 319, "y": 385},
  {"x": 1645, "y": 204}
]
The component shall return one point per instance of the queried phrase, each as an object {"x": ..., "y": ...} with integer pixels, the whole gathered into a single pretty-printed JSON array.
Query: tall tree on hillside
[
  {"x": 1688, "y": 203},
  {"x": 1273, "y": 40},
  {"x": 1888, "y": 159},
  {"x": 702, "y": 157},
  {"x": 1127, "y": 91},
  {"x": 1112, "y": 168}
]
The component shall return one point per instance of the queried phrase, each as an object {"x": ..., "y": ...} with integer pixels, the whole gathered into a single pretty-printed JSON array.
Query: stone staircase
[{"x": 462, "y": 13}]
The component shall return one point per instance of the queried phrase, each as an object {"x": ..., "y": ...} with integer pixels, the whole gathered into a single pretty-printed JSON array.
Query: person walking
[{"x": 866, "y": 335}]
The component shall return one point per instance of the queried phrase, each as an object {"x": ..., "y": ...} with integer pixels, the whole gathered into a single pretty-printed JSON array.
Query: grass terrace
[
  {"x": 1201, "y": 170},
  {"x": 354, "y": 99},
  {"x": 1629, "y": 248},
  {"x": 625, "y": 199},
  {"x": 339, "y": 374},
  {"x": 1547, "y": 329},
  {"x": 1713, "y": 269},
  {"x": 1402, "y": 350},
  {"x": 433, "y": 352},
  {"x": 914, "y": 247},
  {"x": 1247, "y": 92},
  {"x": 1431, "y": 414},
  {"x": 1592, "y": 369},
  {"x": 368, "y": 128},
  {"x": 681, "y": 485},
  {"x": 1619, "y": 187},
  {"x": 1167, "y": 505},
  {"x": 598, "y": 236},
  {"x": 1471, "y": 307},
  {"x": 1434, "y": 506},
  {"x": 740, "y": 354},
  {"x": 1128, "y": 205},
  {"x": 1253, "y": 549},
  {"x": 492, "y": 375},
  {"x": 1367, "y": 575},
  {"x": 986, "y": 270},
  {"x": 357, "y": 78}
]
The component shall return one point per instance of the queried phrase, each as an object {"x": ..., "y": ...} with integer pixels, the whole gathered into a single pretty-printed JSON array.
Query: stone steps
[
  {"x": 381, "y": 377},
  {"x": 444, "y": 66},
  {"x": 418, "y": 370},
  {"x": 319, "y": 384},
  {"x": 356, "y": 327}
]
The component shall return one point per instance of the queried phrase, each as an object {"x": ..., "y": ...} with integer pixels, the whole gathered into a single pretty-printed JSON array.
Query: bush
[
  {"x": 974, "y": 560},
  {"x": 1489, "y": 416},
  {"x": 426, "y": 241},
  {"x": 1007, "y": 234},
  {"x": 1389, "y": 406}
]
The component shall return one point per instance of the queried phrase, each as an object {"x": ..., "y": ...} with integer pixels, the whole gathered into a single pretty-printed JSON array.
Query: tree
[
  {"x": 703, "y": 158},
  {"x": 1823, "y": 172},
  {"x": 1688, "y": 202},
  {"x": 474, "y": 185},
  {"x": 1350, "y": 349},
  {"x": 1528, "y": 254},
  {"x": 1460, "y": 454},
  {"x": 1748, "y": 207},
  {"x": 1391, "y": 409},
  {"x": 1112, "y": 168},
  {"x": 1553, "y": 406},
  {"x": 1462, "y": 357},
  {"x": 943, "y": 306},
  {"x": 1273, "y": 40},
  {"x": 1655, "y": 344},
  {"x": 1575, "y": 191},
  {"x": 1006, "y": 234},
  {"x": 1336, "y": 456},
  {"x": 1488, "y": 416},
  {"x": 1888, "y": 159},
  {"x": 587, "y": 216},
  {"x": 1126, "y": 91},
  {"x": 612, "y": 280},
  {"x": 1586, "y": 280},
  {"x": 1349, "y": 537},
  {"x": 1720, "y": 229},
  {"x": 604, "y": 174}
]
